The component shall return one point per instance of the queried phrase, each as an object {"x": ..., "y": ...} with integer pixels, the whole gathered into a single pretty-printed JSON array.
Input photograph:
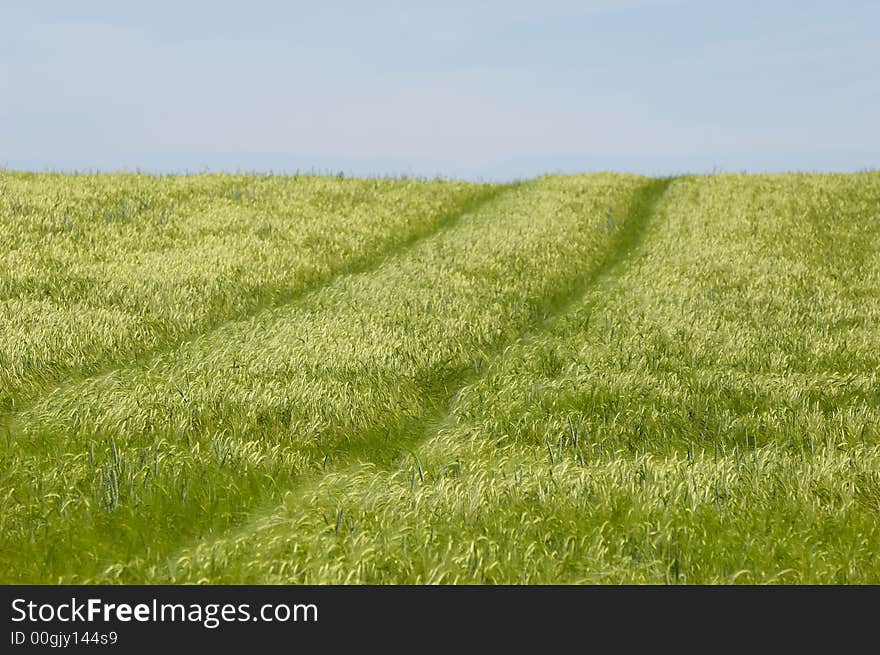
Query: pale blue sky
[{"x": 491, "y": 90}]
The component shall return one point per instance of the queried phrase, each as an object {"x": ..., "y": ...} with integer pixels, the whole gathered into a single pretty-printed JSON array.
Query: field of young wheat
[{"x": 303, "y": 379}]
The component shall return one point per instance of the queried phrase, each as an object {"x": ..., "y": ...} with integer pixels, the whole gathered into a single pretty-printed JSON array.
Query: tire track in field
[
  {"x": 386, "y": 453},
  {"x": 629, "y": 239},
  {"x": 640, "y": 211},
  {"x": 361, "y": 265}
]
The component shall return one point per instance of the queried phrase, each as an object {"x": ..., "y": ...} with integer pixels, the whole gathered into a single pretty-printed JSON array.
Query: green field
[{"x": 595, "y": 378}]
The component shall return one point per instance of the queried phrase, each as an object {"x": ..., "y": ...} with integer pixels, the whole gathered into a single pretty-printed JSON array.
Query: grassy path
[
  {"x": 707, "y": 413},
  {"x": 386, "y": 453},
  {"x": 191, "y": 442}
]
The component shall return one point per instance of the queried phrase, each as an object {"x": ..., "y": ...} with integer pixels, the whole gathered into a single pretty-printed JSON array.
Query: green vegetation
[
  {"x": 100, "y": 269},
  {"x": 599, "y": 378}
]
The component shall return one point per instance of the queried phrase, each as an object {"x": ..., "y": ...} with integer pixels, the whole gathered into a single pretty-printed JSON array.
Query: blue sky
[{"x": 477, "y": 90}]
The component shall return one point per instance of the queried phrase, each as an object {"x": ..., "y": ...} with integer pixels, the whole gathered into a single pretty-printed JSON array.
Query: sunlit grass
[{"x": 576, "y": 379}]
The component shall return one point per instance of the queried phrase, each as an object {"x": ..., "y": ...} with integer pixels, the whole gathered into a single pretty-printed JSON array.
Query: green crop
[{"x": 599, "y": 378}]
